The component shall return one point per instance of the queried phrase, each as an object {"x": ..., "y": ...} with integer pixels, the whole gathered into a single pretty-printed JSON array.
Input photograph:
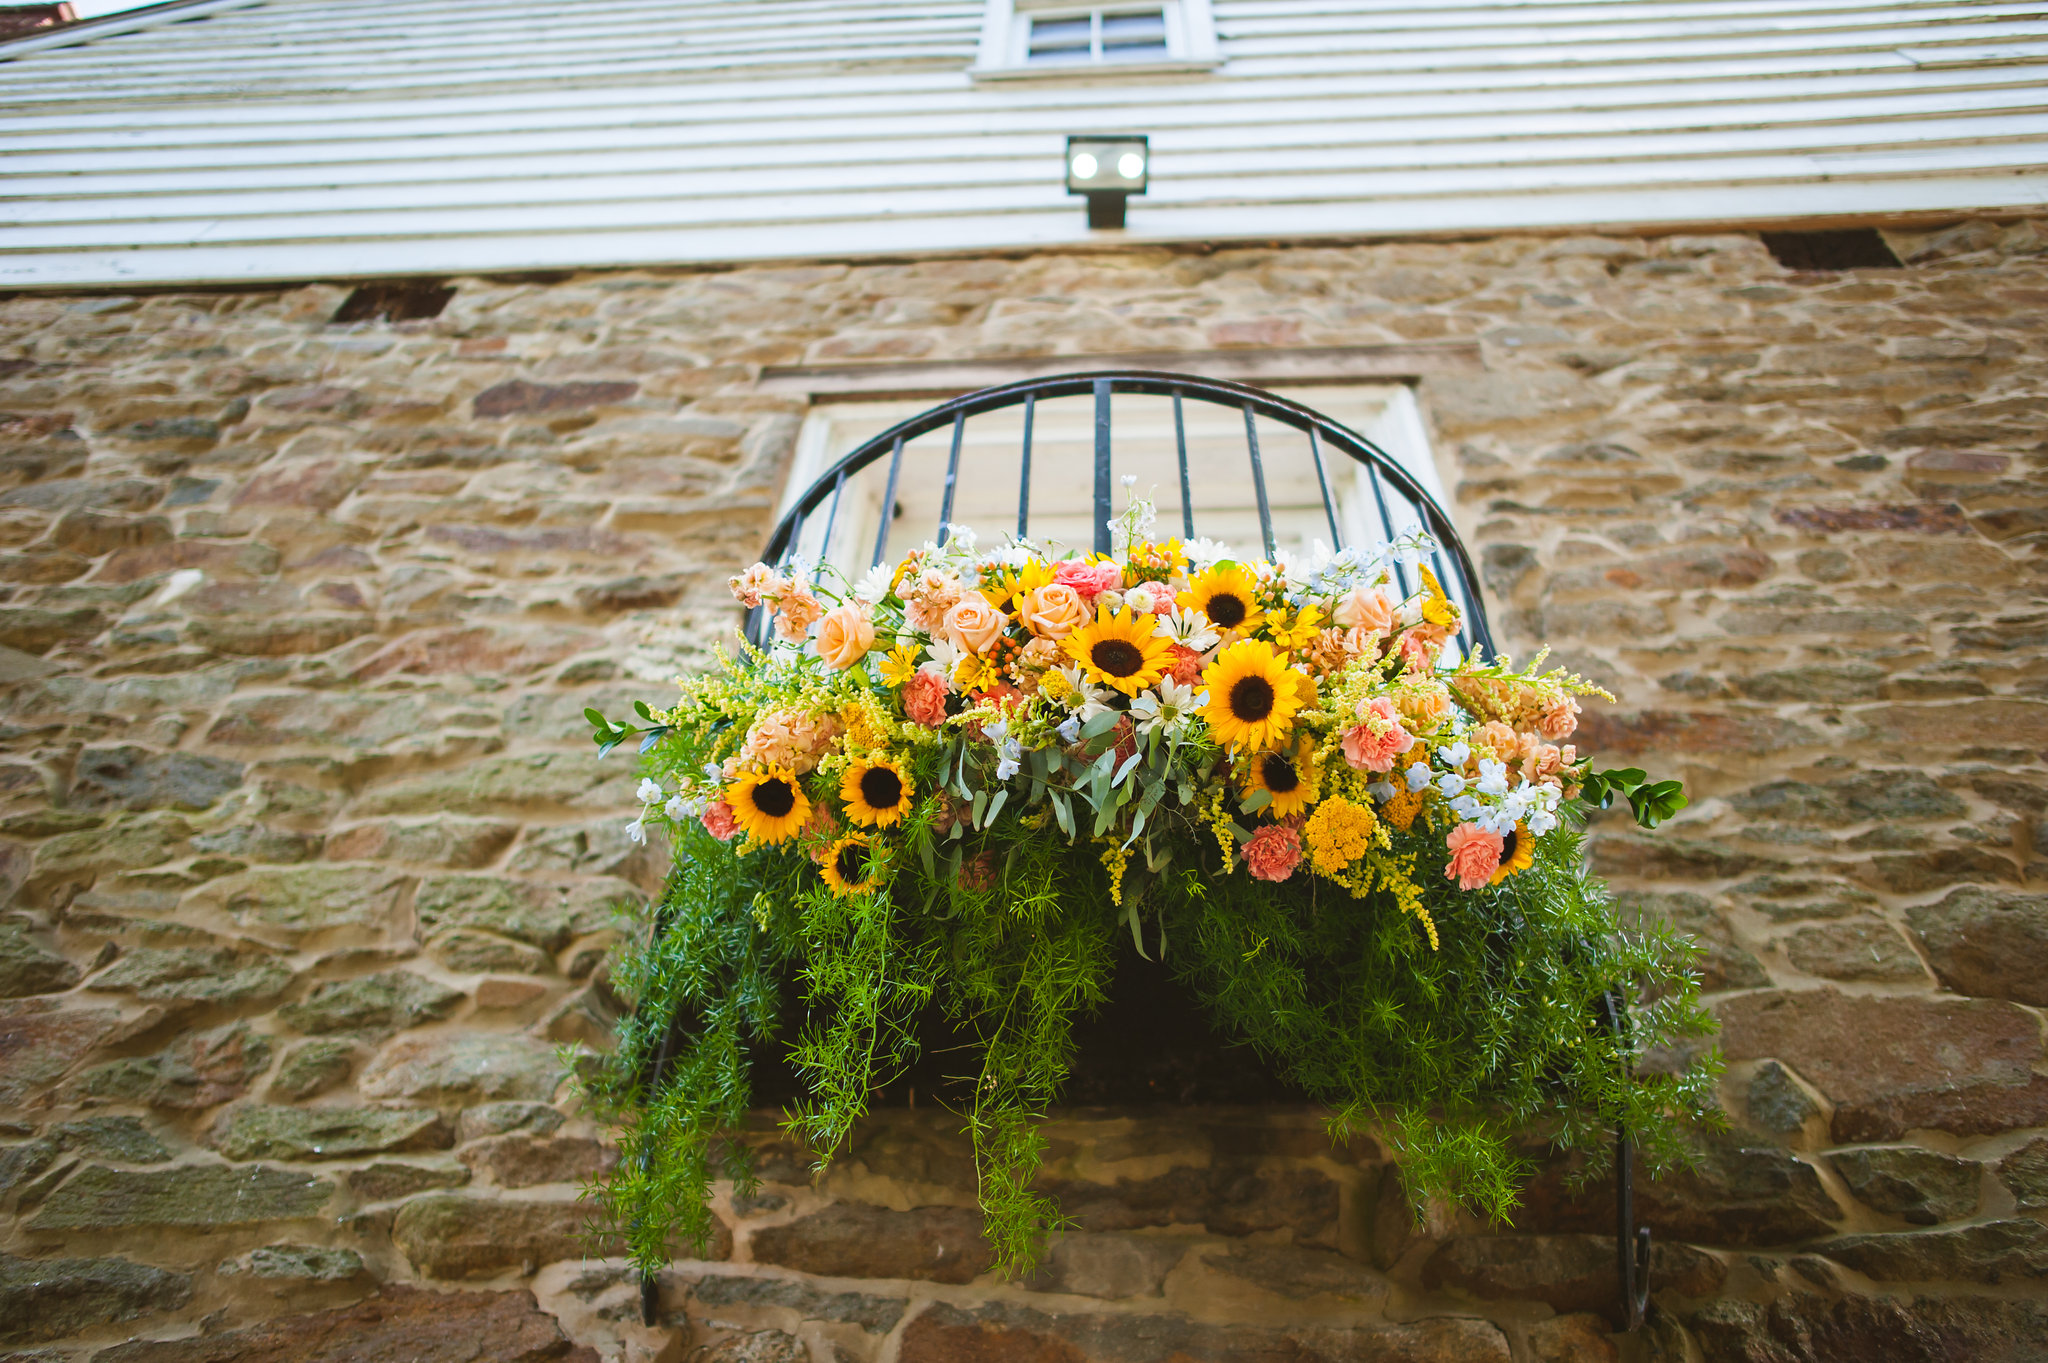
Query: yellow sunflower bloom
[
  {"x": 876, "y": 791},
  {"x": 1227, "y": 594},
  {"x": 1013, "y": 584},
  {"x": 1120, "y": 650},
  {"x": 899, "y": 667},
  {"x": 1289, "y": 777},
  {"x": 769, "y": 806},
  {"x": 1519, "y": 854},
  {"x": 1253, "y": 696},
  {"x": 846, "y": 867}
]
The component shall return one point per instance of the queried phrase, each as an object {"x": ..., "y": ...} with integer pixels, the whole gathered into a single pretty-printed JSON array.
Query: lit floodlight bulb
[
  {"x": 1130, "y": 165},
  {"x": 1084, "y": 166}
]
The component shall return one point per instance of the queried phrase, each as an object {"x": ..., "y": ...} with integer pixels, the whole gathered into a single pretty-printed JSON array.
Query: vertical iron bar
[
  {"x": 832, "y": 516},
  {"x": 888, "y": 516},
  {"x": 1024, "y": 478},
  {"x": 1372, "y": 474},
  {"x": 1103, "y": 484},
  {"x": 1315, "y": 450},
  {"x": 1251, "y": 440},
  {"x": 1187, "y": 496},
  {"x": 952, "y": 477},
  {"x": 1631, "y": 1242}
]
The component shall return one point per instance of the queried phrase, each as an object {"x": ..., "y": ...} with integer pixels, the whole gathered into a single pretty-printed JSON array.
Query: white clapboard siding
[{"x": 296, "y": 139}]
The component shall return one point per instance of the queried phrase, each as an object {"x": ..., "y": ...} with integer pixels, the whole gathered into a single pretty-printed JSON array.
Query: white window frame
[{"x": 1006, "y": 40}]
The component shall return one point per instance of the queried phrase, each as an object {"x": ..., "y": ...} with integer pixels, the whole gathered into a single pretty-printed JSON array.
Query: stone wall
[{"x": 311, "y": 866}]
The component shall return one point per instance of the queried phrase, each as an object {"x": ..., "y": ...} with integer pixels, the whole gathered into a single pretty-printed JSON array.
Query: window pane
[
  {"x": 1059, "y": 40},
  {"x": 1142, "y": 34}
]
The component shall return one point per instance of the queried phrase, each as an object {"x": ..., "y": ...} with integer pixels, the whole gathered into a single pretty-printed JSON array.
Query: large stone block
[
  {"x": 319, "y": 1133},
  {"x": 28, "y": 967},
  {"x": 128, "y": 777},
  {"x": 479, "y": 1066},
  {"x": 547, "y": 916},
  {"x": 1923, "y": 1186},
  {"x": 374, "y": 1005},
  {"x": 1994, "y": 1252},
  {"x": 46, "y": 1299},
  {"x": 853, "y": 1240},
  {"x": 307, "y": 899},
  {"x": 196, "y": 975},
  {"x": 520, "y": 1160},
  {"x": 187, "y": 1197},
  {"x": 1990, "y": 943},
  {"x": 39, "y": 1042},
  {"x": 538, "y": 780},
  {"x": 399, "y": 1323},
  {"x": 198, "y": 1070},
  {"x": 445, "y": 1235},
  {"x": 1890, "y": 1064}
]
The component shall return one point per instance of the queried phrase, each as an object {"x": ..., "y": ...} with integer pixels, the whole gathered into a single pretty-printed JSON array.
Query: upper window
[{"x": 1048, "y": 37}]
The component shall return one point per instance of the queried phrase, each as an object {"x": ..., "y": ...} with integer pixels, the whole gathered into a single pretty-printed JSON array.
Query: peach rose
[
  {"x": 1560, "y": 717},
  {"x": 845, "y": 635},
  {"x": 973, "y": 624},
  {"x": 1475, "y": 855},
  {"x": 1055, "y": 610},
  {"x": 1368, "y": 608},
  {"x": 1089, "y": 579}
]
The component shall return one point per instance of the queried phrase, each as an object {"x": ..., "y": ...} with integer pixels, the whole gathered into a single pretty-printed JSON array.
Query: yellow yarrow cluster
[{"x": 1338, "y": 833}]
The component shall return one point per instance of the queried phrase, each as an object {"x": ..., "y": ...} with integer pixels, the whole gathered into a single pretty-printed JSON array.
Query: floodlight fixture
[{"x": 1107, "y": 168}]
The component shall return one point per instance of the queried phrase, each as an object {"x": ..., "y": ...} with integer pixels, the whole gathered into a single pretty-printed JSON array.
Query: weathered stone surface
[
  {"x": 1989, "y": 943},
  {"x": 945, "y": 1333},
  {"x": 1107, "y": 1266},
  {"x": 387, "y": 1182},
  {"x": 756, "y": 1346},
  {"x": 518, "y": 397},
  {"x": 1923, "y": 1186},
  {"x": 129, "y": 777},
  {"x": 852, "y": 1240},
  {"x": 468, "y": 951},
  {"x": 546, "y": 916},
  {"x": 1572, "y": 1339},
  {"x": 408, "y": 1323},
  {"x": 296, "y": 1263},
  {"x": 1892, "y": 1064},
  {"x": 522, "y": 1161},
  {"x": 1722, "y": 963},
  {"x": 312, "y": 1067},
  {"x": 1993, "y": 1252},
  {"x": 27, "y": 967},
  {"x": 43, "y": 1299},
  {"x": 198, "y": 1070},
  {"x": 446, "y": 1235},
  {"x": 20, "y": 1163},
  {"x": 1739, "y": 1193},
  {"x": 317, "y": 1133},
  {"x": 1227, "y": 1200},
  {"x": 307, "y": 899},
  {"x": 115, "y": 1138},
  {"x": 1851, "y": 1329},
  {"x": 1857, "y": 949},
  {"x": 373, "y": 1004},
  {"x": 127, "y": 844},
  {"x": 193, "y": 1196},
  {"x": 874, "y": 1314},
  {"x": 475, "y": 1067},
  {"x": 1778, "y": 1102},
  {"x": 39, "y": 1042},
  {"x": 1567, "y": 1273},
  {"x": 196, "y": 975},
  {"x": 1284, "y": 1270},
  {"x": 486, "y": 787},
  {"x": 438, "y": 842},
  {"x": 495, "y": 1119},
  {"x": 2025, "y": 1172}
]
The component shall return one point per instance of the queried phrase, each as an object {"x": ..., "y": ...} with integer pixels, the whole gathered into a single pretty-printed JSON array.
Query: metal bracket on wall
[
  {"x": 1631, "y": 1242},
  {"x": 650, "y": 1299}
]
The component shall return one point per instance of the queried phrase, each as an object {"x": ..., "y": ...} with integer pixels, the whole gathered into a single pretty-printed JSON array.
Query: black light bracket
[{"x": 1106, "y": 169}]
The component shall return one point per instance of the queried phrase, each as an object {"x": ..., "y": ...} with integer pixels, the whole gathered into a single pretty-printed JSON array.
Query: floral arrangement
[{"x": 959, "y": 781}]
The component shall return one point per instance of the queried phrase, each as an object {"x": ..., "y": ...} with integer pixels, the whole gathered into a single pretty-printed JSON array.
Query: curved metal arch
[{"x": 1101, "y": 385}]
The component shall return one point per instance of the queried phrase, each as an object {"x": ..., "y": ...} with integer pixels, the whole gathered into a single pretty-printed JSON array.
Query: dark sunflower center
[
  {"x": 851, "y": 859},
  {"x": 1251, "y": 699},
  {"x": 881, "y": 788},
  {"x": 1280, "y": 775},
  {"x": 1507, "y": 845},
  {"x": 1227, "y": 609},
  {"x": 1118, "y": 657},
  {"x": 775, "y": 797}
]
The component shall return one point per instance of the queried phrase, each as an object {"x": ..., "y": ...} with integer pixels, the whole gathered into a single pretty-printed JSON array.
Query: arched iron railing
[{"x": 1396, "y": 499}]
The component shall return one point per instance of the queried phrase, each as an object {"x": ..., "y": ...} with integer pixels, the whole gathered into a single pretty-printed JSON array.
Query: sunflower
[
  {"x": 1005, "y": 588},
  {"x": 850, "y": 866},
  {"x": 876, "y": 791},
  {"x": 1517, "y": 853},
  {"x": 1253, "y": 696},
  {"x": 1120, "y": 650},
  {"x": 1289, "y": 777},
  {"x": 768, "y": 805},
  {"x": 1227, "y": 594}
]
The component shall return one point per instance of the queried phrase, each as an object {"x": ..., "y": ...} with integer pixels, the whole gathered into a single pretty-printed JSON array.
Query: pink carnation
[
  {"x": 1374, "y": 744},
  {"x": 1089, "y": 579},
  {"x": 924, "y": 699},
  {"x": 1419, "y": 650},
  {"x": 1273, "y": 852},
  {"x": 1186, "y": 667},
  {"x": 1475, "y": 855},
  {"x": 1560, "y": 717},
  {"x": 719, "y": 823}
]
